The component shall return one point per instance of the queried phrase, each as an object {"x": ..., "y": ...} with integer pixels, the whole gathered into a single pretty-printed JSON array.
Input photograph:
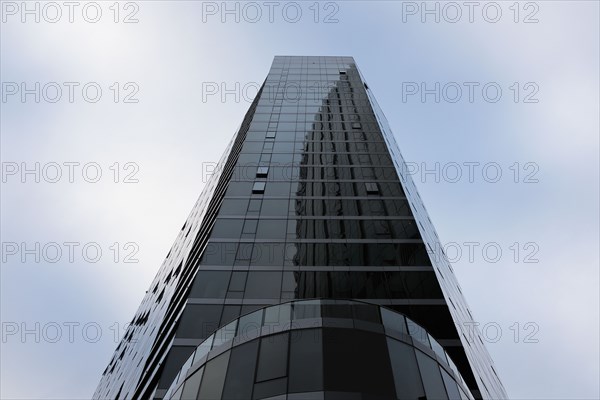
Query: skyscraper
[{"x": 308, "y": 267}]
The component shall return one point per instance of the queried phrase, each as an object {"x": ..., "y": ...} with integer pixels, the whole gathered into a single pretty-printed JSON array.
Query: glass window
[
  {"x": 250, "y": 226},
  {"x": 307, "y": 309},
  {"x": 393, "y": 321},
  {"x": 204, "y": 348},
  {"x": 199, "y": 320},
  {"x": 272, "y": 360},
  {"x": 214, "y": 377},
  {"x": 244, "y": 172},
  {"x": 252, "y": 147},
  {"x": 260, "y": 117},
  {"x": 250, "y": 324},
  {"x": 286, "y": 126},
  {"x": 451, "y": 387},
  {"x": 417, "y": 332},
  {"x": 289, "y": 281},
  {"x": 277, "y": 189},
  {"x": 432, "y": 379},
  {"x": 238, "y": 188},
  {"x": 270, "y": 389},
  {"x": 262, "y": 172},
  {"x": 248, "y": 159},
  {"x": 263, "y": 285},
  {"x": 244, "y": 252},
  {"x": 254, "y": 206},
  {"x": 210, "y": 284},
  {"x": 278, "y": 316},
  {"x": 275, "y": 207},
  {"x": 282, "y": 158},
  {"x": 177, "y": 394},
  {"x": 284, "y": 147},
  {"x": 405, "y": 229},
  {"x": 219, "y": 254},
  {"x": 225, "y": 333},
  {"x": 365, "y": 369},
  {"x": 268, "y": 146},
  {"x": 268, "y": 254},
  {"x": 233, "y": 207},
  {"x": 192, "y": 384},
  {"x": 406, "y": 372},
  {"x": 259, "y": 187},
  {"x": 238, "y": 281},
  {"x": 306, "y": 361},
  {"x": 371, "y": 188},
  {"x": 177, "y": 356},
  {"x": 240, "y": 374},
  {"x": 265, "y": 158},
  {"x": 271, "y": 229},
  {"x": 366, "y": 312},
  {"x": 437, "y": 348},
  {"x": 336, "y": 309}
]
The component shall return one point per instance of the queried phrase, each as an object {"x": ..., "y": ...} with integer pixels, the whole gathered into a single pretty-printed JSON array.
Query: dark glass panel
[
  {"x": 306, "y": 309},
  {"x": 239, "y": 189},
  {"x": 175, "y": 359},
  {"x": 249, "y": 325},
  {"x": 272, "y": 360},
  {"x": 365, "y": 369},
  {"x": 230, "y": 312},
  {"x": 417, "y": 332},
  {"x": 192, "y": 384},
  {"x": 393, "y": 321},
  {"x": 278, "y": 316},
  {"x": 199, "y": 321},
  {"x": 269, "y": 389},
  {"x": 275, "y": 207},
  {"x": 250, "y": 226},
  {"x": 254, "y": 205},
  {"x": 177, "y": 394},
  {"x": 233, "y": 207},
  {"x": 240, "y": 374},
  {"x": 332, "y": 309},
  {"x": 366, "y": 312},
  {"x": 306, "y": 361},
  {"x": 219, "y": 254},
  {"x": 210, "y": 284},
  {"x": 451, "y": 387},
  {"x": 244, "y": 253},
  {"x": 278, "y": 189},
  {"x": 258, "y": 187},
  {"x": 248, "y": 159},
  {"x": 268, "y": 254},
  {"x": 406, "y": 373},
  {"x": 252, "y": 147},
  {"x": 432, "y": 379},
  {"x": 214, "y": 377},
  {"x": 238, "y": 281},
  {"x": 271, "y": 229},
  {"x": 263, "y": 285}
]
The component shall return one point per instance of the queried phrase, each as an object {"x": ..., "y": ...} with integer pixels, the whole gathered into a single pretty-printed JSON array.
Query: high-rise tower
[{"x": 308, "y": 267}]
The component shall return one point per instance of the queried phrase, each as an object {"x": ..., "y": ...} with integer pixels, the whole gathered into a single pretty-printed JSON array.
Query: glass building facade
[{"x": 307, "y": 269}]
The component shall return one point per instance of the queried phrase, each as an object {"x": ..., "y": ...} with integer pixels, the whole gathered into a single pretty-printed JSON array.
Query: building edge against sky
[{"x": 346, "y": 171}]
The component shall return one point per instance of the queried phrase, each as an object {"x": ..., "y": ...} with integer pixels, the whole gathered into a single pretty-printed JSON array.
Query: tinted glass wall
[
  {"x": 319, "y": 349},
  {"x": 307, "y": 203}
]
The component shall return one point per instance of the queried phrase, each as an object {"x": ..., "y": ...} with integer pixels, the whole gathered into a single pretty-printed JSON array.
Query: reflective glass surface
[
  {"x": 272, "y": 351},
  {"x": 309, "y": 201}
]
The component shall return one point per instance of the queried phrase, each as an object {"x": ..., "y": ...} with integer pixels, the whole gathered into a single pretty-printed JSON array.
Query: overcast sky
[{"x": 470, "y": 91}]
